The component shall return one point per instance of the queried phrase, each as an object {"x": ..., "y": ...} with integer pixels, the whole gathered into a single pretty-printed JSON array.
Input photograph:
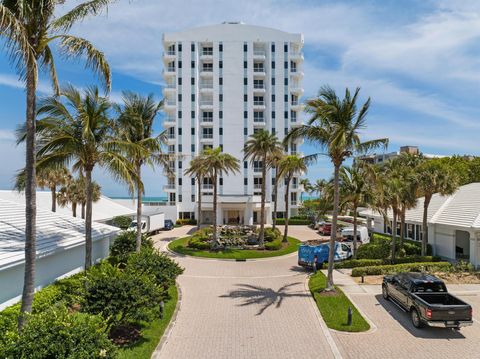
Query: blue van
[{"x": 307, "y": 254}]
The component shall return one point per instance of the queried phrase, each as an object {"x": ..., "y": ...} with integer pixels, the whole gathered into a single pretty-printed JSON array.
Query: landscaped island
[{"x": 234, "y": 242}]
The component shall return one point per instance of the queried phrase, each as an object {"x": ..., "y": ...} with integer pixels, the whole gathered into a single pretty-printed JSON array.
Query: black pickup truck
[{"x": 426, "y": 298}]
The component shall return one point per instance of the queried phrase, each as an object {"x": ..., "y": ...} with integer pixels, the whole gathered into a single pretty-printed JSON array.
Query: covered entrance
[{"x": 232, "y": 216}]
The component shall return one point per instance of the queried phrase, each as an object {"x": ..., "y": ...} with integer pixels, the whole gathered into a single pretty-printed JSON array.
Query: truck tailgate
[{"x": 446, "y": 307}]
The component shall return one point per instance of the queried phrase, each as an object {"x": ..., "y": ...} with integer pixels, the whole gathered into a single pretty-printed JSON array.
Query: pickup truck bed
[{"x": 445, "y": 307}]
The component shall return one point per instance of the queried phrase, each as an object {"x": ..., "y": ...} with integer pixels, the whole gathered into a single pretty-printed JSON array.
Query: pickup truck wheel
[
  {"x": 416, "y": 321},
  {"x": 385, "y": 292}
]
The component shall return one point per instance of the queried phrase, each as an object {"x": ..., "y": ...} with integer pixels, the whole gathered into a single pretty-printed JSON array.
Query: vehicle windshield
[{"x": 429, "y": 287}]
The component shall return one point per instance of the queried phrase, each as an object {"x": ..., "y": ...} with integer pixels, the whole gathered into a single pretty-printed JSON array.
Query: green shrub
[
  {"x": 159, "y": 266},
  {"x": 300, "y": 217},
  {"x": 198, "y": 243},
  {"x": 183, "y": 222},
  {"x": 374, "y": 251},
  {"x": 274, "y": 245},
  {"x": 125, "y": 244},
  {"x": 412, "y": 248},
  {"x": 121, "y": 296},
  {"x": 56, "y": 333},
  {"x": 294, "y": 222},
  {"x": 405, "y": 267},
  {"x": 271, "y": 234},
  {"x": 355, "y": 263},
  {"x": 122, "y": 222}
]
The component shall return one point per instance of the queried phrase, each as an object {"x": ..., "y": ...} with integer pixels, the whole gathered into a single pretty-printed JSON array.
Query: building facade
[
  {"x": 381, "y": 158},
  {"x": 223, "y": 83}
]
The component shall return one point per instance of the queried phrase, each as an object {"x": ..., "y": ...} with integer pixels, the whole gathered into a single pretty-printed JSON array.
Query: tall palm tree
[
  {"x": 305, "y": 187},
  {"x": 334, "y": 126},
  {"x": 46, "y": 178},
  {"x": 275, "y": 160},
  {"x": 75, "y": 129},
  {"x": 197, "y": 170},
  {"x": 290, "y": 166},
  {"x": 218, "y": 164},
  {"x": 434, "y": 177},
  {"x": 261, "y": 147},
  {"x": 354, "y": 191},
  {"x": 135, "y": 125},
  {"x": 29, "y": 27}
]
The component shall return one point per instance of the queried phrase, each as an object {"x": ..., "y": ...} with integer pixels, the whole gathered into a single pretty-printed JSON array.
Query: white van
[{"x": 362, "y": 234}]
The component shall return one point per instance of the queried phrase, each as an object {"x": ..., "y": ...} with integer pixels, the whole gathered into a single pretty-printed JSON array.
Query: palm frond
[{"x": 80, "y": 12}]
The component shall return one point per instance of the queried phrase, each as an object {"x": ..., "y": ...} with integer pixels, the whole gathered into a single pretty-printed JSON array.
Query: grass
[
  {"x": 334, "y": 307},
  {"x": 151, "y": 332},
  {"x": 180, "y": 246}
]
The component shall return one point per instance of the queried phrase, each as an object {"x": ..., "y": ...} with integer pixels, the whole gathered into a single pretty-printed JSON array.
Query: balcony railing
[
  {"x": 171, "y": 136},
  {"x": 170, "y": 52},
  {"x": 170, "y": 102},
  {"x": 206, "y": 85},
  {"x": 293, "y": 202},
  {"x": 257, "y": 186},
  {"x": 207, "y": 135},
  {"x": 259, "y": 69},
  {"x": 259, "y": 119},
  {"x": 169, "y": 119},
  {"x": 206, "y": 103},
  {"x": 207, "y": 119},
  {"x": 257, "y": 169},
  {"x": 170, "y": 186},
  {"x": 259, "y": 103},
  {"x": 207, "y": 186},
  {"x": 207, "y": 69},
  {"x": 170, "y": 69},
  {"x": 259, "y": 52},
  {"x": 171, "y": 85},
  {"x": 207, "y": 52},
  {"x": 296, "y": 53},
  {"x": 259, "y": 86},
  {"x": 294, "y": 69},
  {"x": 294, "y": 102}
]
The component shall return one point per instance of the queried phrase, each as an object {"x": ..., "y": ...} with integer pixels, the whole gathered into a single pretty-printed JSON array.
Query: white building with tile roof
[
  {"x": 60, "y": 247},
  {"x": 453, "y": 223}
]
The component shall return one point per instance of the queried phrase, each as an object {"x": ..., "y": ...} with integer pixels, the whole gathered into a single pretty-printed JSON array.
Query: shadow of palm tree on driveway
[{"x": 265, "y": 297}]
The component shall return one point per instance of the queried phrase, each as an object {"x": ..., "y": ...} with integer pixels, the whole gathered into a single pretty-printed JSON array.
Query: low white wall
[
  {"x": 49, "y": 268},
  {"x": 444, "y": 241}
]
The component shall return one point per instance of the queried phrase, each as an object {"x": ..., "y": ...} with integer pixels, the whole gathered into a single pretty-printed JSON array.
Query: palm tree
[
  {"x": 74, "y": 192},
  {"x": 78, "y": 130},
  {"x": 29, "y": 27},
  {"x": 289, "y": 167},
  {"x": 261, "y": 147},
  {"x": 275, "y": 161},
  {"x": 46, "y": 178},
  {"x": 216, "y": 165},
  {"x": 335, "y": 125},
  {"x": 135, "y": 125},
  {"x": 434, "y": 177},
  {"x": 305, "y": 187},
  {"x": 197, "y": 170},
  {"x": 354, "y": 191}
]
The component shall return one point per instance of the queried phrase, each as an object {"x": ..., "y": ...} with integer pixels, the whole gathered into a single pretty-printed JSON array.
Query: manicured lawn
[
  {"x": 334, "y": 307},
  {"x": 151, "y": 332},
  {"x": 180, "y": 246}
]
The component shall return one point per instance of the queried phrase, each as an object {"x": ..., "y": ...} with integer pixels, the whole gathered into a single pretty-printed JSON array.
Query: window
[
  {"x": 258, "y": 100},
  {"x": 293, "y": 116},
  {"x": 220, "y": 97},
  {"x": 179, "y": 64},
  {"x": 293, "y": 149},
  {"x": 179, "y": 114},
  {"x": 180, "y": 47},
  {"x": 273, "y": 47},
  {"x": 220, "y": 114},
  {"x": 274, "y": 130},
  {"x": 245, "y": 98},
  {"x": 207, "y": 132},
  {"x": 245, "y": 47},
  {"x": 285, "y": 65},
  {"x": 179, "y": 131},
  {"x": 273, "y": 64},
  {"x": 180, "y": 164},
  {"x": 192, "y": 181},
  {"x": 273, "y": 114},
  {"x": 286, "y": 98},
  {"x": 293, "y": 66},
  {"x": 245, "y": 114},
  {"x": 180, "y": 148},
  {"x": 171, "y": 149},
  {"x": 258, "y": 67},
  {"x": 245, "y": 131},
  {"x": 245, "y": 81},
  {"x": 285, "y": 82},
  {"x": 258, "y": 84},
  {"x": 192, "y": 81},
  {"x": 207, "y": 51},
  {"x": 192, "y": 47},
  {"x": 256, "y": 130},
  {"x": 220, "y": 47},
  {"x": 192, "y": 131},
  {"x": 294, "y": 100},
  {"x": 273, "y": 98},
  {"x": 273, "y": 181},
  {"x": 258, "y": 116},
  {"x": 285, "y": 115},
  {"x": 220, "y": 81},
  {"x": 180, "y": 181},
  {"x": 273, "y": 81},
  {"x": 193, "y": 198},
  {"x": 220, "y": 64},
  {"x": 245, "y": 181},
  {"x": 257, "y": 166},
  {"x": 192, "y": 148},
  {"x": 192, "y": 64},
  {"x": 179, "y": 198},
  {"x": 221, "y": 181},
  {"x": 192, "y": 114},
  {"x": 221, "y": 148},
  {"x": 207, "y": 67},
  {"x": 257, "y": 184},
  {"x": 179, "y": 81},
  {"x": 245, "y": 164},
  {"x": 207, "y": 116},
  {"x": 286, "y": 131},
  {"x": 220, "y": 130},
  {"x": 285, "y": 48}
]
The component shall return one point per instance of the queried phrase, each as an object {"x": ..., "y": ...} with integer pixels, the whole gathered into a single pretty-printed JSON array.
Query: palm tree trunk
[
  {"x": 275, "y": 197},
  {"x": 287, "y": 193},
  {"x": 402, "y": 227},
  {"x": 74, "y": 209},
  {"x": 138, "y": 245},
  {"x": 215, "y": 209},
  {"x": 262, "y": 205},
  {"x": 30, "y": 201},
  {"x": 83, "y": 210},
  {"x": 199, "y": 217},
  {"x": 54, "y": 198},
  {"x": 333, "y": 235},
  {"x": 426, "y": 203},
  {"x": 88, "y": 219},
  {"x": 394, "y": 235},
  {"x": 354, "y": 254}
]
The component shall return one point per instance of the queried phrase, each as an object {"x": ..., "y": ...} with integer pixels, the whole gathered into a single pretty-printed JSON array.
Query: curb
[
  {"x": 326, "y": 331},
  {"x": 168, "y": 330}
]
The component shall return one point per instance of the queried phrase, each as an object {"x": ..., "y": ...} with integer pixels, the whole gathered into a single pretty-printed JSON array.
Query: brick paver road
[{"x": 253, "y": 309}]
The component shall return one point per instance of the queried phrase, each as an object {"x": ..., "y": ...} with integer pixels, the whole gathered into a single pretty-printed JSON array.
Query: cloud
[{"x": 7, "y": 135}]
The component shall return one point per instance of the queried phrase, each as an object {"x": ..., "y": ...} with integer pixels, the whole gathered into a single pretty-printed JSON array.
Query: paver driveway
[{"x": 253, "y": 309}]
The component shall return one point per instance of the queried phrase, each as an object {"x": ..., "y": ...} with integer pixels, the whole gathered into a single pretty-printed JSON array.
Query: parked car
[
  {"x": 427, "y": 300},
  {"x": 362, "y": 234},
  {"x": 325, "y": 229},
  {"x": 318, "y": 224},
  {"x": 308, "y": 255},
  {"x": 168, "y": 225}
]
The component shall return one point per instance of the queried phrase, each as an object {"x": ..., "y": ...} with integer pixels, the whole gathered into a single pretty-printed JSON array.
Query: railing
[
  {"x": 170, "y": 52},
  {"x": 170, "y": 186},
  {"x": 257, "y": 169},
  {"x": 293, "y": 119},
  {"x": 259, "y": 69},
  {"x": 296, "y": 53},
  {"x": 293, "y": 203},
  {"x": 170, "y": 102},
  {"x": 259, "y": 103},
  {"x": 207, "y": 52},
  {"x": 294, "y": 102},
  {"x": 206, "y": 85},
  {"x": 259, "y": 52},
  {"x": 259, "y": 119},
  {"x": 295, "y": 85},
  {"x": 294, "y": 69},
  {"x": 207, "y": 186},
  {"x": 171, "y": 85},
  {"x": 170, "y": 69},
  {"x": 207, "y": 69},
  {"x": 259, "y": 86},
  {"x": 206, "y": 103},
  {"x": 169, "y": 119},
  {"x": 207, "y": 119},
  {"x": 257, "y": 186},
  {"x": 171, "y": 136},
  {"x": 207, "y": 135}
]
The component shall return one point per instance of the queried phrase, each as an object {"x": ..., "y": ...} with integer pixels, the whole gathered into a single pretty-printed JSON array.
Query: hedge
[
  {"x": 183, "y": 222},
  {"x": 405, "y": 267},
  {"x": 355, "y": 263},
  {"x": 294, "y": 222}
]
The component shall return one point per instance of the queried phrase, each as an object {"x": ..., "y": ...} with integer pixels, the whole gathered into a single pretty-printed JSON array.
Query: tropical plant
[
  {"x": 354, "y": 192},
  {"x": 75, "y": 193},
  {"x": 135, "y": 125},
  {"x": 290, "y": 166},
  {"x": 47, "y": 178},
  {"x": 261, "y": 147},
  {"x": 29, "y": 27},
  {"x": 434, "y": 177},
  {"x": 218, "y": 164},
  {"x": 197, "y": 170},
  {"x": 275, "y": 161},
  {"x": 335, "y": 125},
  {"x": 305, "y": 186},
  {"x": 75, "y": 129}
]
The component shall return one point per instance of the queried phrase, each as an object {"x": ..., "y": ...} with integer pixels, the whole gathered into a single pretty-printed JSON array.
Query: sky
[{"x": 417, "y": 60}]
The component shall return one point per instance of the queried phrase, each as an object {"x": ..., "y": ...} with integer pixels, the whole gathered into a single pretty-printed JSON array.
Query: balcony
[
  {"x": 169, "y": 55},
  {"x": 295, "y": 123},
  {"x": 296, "y": 55},
  {"x": 169, "y": 188},
  {"x": 259, "y": 105},
  {"x": 296, "y": 88},
  {"x": 206, "y": 137},
  {"x": 259, "y": 122},
  {"x": 257, "y": 169},
  {"x": 293, "y": 202},
  {"x": 169, "y": 121},
  {"x": 259, "y": 88},
  {"x": 169, "y": 71},
  {"x": 171, "y": 138},
  {"x": 170, "y": 104},
  {"x": 169, "y": 88},
  {"x": 206, "y": 54},
  {"x": 206, "y": 86},
  {"x": 295, "y": 105},
  {"x": 257, "y": 186},
  {"x": 259, "y": 54},
  {"x": 296, "y": 73},
  {"x": 259, "y": 71},
  {"x": 207, "y": 187},
  {"x": 206, "y": 71},
  {"x": 206, "y": 121},
  {"x": 206, "y": 104}
]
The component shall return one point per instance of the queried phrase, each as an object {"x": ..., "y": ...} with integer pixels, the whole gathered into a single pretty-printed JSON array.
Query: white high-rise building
[{"x": 223, "y": 83}]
